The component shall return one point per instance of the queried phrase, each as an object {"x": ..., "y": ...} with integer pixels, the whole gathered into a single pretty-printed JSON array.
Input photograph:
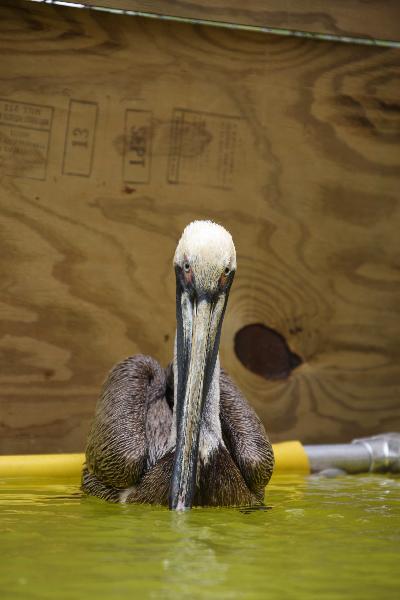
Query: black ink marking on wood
[
  {"x": 137, "y": 146},
  {"x": 25, "y": 131},
  {"x": 203, "y": 148},
  {"x": 80, "y": 138}
]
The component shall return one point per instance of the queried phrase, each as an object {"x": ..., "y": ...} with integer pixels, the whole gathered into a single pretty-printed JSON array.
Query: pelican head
[{"x": 205, "y": 264}]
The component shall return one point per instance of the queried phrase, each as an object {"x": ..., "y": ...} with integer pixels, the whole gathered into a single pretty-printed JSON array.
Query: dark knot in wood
[{"x": 265, "y": 352}]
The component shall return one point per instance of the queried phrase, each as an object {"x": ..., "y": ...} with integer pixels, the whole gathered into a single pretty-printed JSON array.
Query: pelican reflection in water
[{"x": 184, "y": 436}]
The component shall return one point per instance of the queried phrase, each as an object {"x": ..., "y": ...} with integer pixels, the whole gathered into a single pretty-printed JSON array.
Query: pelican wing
[
  {"x": 245, "y": 437},
  {"x": 131, "y": 427}
]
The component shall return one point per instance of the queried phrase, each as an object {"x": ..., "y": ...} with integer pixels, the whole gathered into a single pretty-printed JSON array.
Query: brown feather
[
  {"x": 131, "y": 424},
  {"x": 127, "y": 454}
]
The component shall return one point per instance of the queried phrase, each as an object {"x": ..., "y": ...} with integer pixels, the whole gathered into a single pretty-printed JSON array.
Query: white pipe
[{"x": 377, "y": 454}]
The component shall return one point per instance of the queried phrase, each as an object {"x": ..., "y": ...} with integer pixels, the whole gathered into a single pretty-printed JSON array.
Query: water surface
[{"x": 321, "y": 538}]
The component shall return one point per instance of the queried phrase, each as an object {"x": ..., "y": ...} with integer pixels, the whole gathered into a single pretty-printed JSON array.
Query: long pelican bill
[{"x": 199, "y": 322}]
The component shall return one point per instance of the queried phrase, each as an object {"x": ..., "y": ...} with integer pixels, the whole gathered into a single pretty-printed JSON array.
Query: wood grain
[
  {"x": 375, "y": 19},
  {"x": 292, "y": 144}
]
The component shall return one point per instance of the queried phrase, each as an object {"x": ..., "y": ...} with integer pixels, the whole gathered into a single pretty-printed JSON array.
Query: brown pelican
[{"x": 182, "y": 436}]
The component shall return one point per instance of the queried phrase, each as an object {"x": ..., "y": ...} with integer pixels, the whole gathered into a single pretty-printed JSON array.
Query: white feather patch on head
[{"x": 209, "y": 249}]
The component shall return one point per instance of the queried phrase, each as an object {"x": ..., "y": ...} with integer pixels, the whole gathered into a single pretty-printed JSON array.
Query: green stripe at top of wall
[{"x": 235, "y": 26}]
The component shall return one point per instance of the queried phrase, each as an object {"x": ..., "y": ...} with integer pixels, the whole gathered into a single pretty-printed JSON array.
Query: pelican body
[{"x": 184, "y": 436}]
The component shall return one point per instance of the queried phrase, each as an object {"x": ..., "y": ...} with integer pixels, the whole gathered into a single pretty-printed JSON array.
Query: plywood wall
[{"x": 115, "y": 132}]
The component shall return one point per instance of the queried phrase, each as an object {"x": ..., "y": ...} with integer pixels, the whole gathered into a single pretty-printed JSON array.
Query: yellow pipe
[
  {"x": 42, "y": 465},
  {"x": 289, "y": 457}
]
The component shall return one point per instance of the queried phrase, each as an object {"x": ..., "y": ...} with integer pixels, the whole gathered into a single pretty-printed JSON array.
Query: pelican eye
[
  {"x": 227, "y": 271},
  {"x": 186, "y": 266}
]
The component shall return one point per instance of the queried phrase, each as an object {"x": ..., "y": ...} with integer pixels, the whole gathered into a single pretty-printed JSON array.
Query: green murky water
[{"x": 322, "y": 538}]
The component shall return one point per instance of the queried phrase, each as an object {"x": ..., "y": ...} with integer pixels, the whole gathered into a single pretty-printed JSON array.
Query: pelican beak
[{"x": 199, "y": 321}]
